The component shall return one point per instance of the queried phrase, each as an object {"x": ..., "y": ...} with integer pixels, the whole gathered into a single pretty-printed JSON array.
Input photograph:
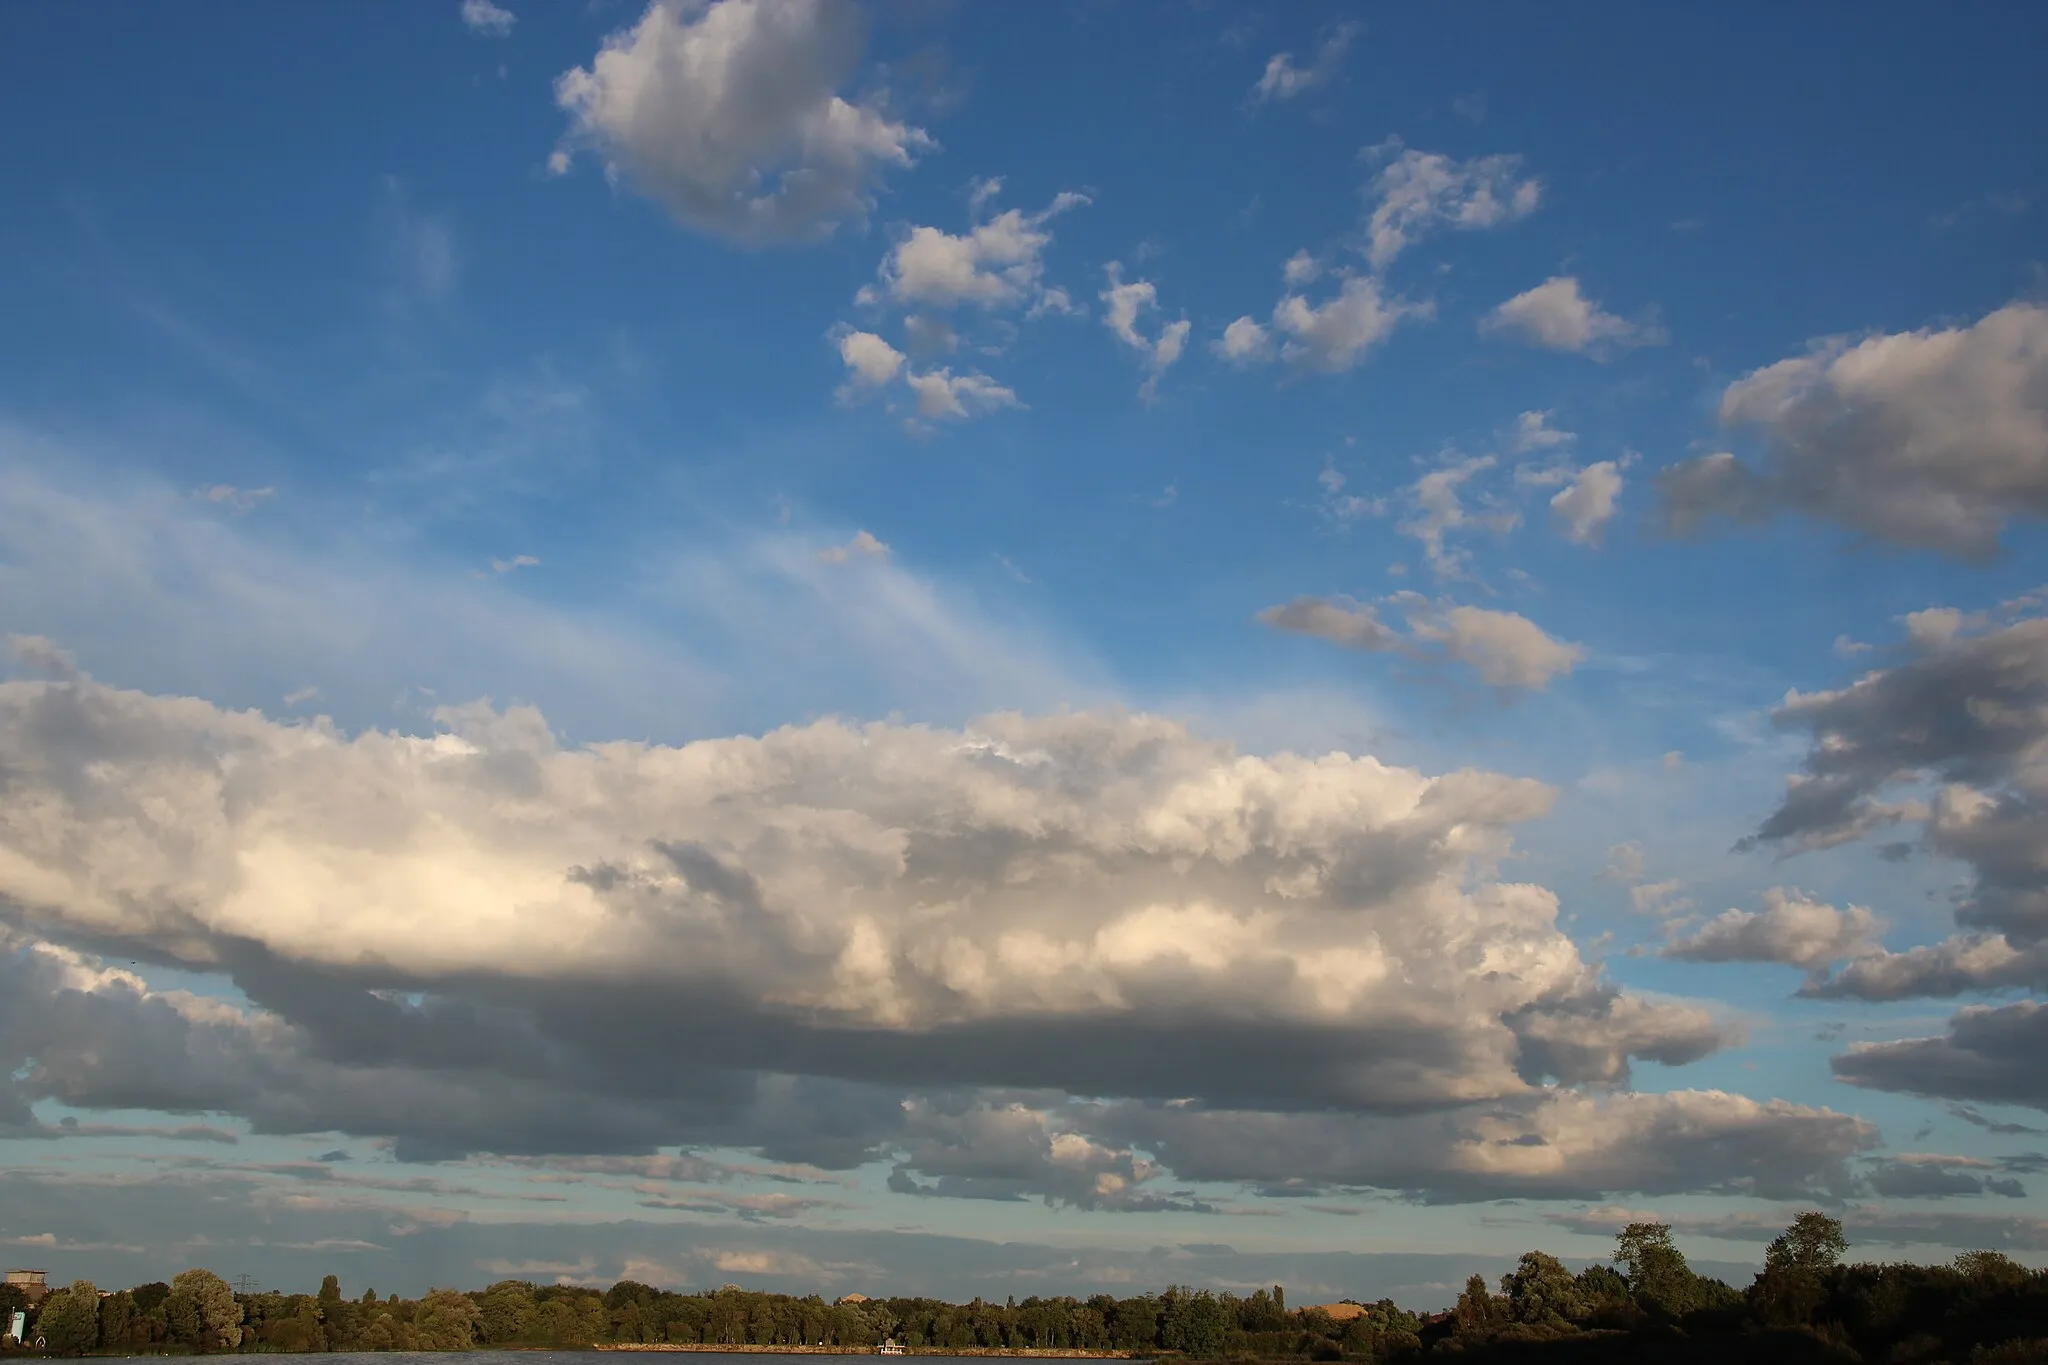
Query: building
[
  {"x": 33, "y": 1284},
  {"x": 852, "y": 1298}
]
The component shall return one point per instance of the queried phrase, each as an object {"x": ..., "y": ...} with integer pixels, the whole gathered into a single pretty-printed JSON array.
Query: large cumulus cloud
[{"x": 833, "y": 943}]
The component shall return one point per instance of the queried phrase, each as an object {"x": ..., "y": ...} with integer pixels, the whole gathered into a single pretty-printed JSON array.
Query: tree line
[{"x": 1806, "y": 1305}]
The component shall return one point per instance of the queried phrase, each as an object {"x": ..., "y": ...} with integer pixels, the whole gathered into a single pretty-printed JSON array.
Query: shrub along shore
[{"x": 1806, "y": 1305}]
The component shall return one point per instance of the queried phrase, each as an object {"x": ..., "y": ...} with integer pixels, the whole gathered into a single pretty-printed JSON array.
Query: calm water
[{"x": 589, "y": 1357}]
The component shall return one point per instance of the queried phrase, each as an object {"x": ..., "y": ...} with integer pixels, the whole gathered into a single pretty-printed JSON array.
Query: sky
[{"x": 917, "y": 647}]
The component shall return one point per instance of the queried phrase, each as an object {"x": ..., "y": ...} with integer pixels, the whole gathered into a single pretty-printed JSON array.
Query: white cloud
[
  {"x": 1792, "y": 928},
  {"x": 1533, "y": 432},
  {"x": 1440, "y": 510},
  {"x": 1557, "y": 316},
  {"x": 862, "y": 546},
  {"x": 728, "y": 113},
  {"x": 492, "y": 21},
  {"x": 938, "y": 393},
  {"x": 1124, "y": 303},
  {"x": 1283, "y": 80},
  {"x": 870, "y": 361},
  {"x": 1336, "y": 334},
  {"x": 1341, "y": 621},
  {"x": 1564, "y": 1145},
  {"x": 515, "y": 562},
  {"x": 1587, "y": 504},
  {"x": 1415, "y": 193},
  {"x": 1301, "y": 268},
  {"x": 1934, "y": 439},
  {"x": 1957, "y": 965},
  {"x": 1244, "y": 342},
  {"x": 995, "y": 264},
  {"x": 945, "y": 396},
  {"x": 1060, "y": 885},
  {"x": 1509, "y": 652}
]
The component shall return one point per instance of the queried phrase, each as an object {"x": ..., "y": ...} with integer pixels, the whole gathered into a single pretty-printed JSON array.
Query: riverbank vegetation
[{"x": 1806, "y": 1305}]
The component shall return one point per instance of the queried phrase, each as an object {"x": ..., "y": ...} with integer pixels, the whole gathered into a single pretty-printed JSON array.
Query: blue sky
[{"x": 1083, "y": 426}]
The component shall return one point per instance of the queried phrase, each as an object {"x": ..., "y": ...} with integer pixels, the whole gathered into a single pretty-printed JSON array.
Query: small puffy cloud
[
  {"x": 944, "y": 396},
  {"x": 1283, "y": 80},
  {"x": 1555, "y": 315},
  {"x": 1335, "y": 334},
  {"x": 1244, "y": 342},
  {"x": 1791, "y": 928},
  {"x": 515, "y": 562},
  {"x": 1533, "y": 432},
  {"x": 1440, "y": 510},
  {"x": 1414, "y": 193},
  {"x": 862, "y": 546},
  {"x": 1933, "y": 439},
  {"x": 1301, "y": 268},
  {"x": 728, "y": 113},
  {"x": 995, "y": 264},
  {"x": 1509, "y": 652},
  {"x": 483, "y": 17},
  {"x": 1588, "y": 502},
  {"x": 1339, "y": 620},
  {"x": 1506, "y": 650},
  {"x": 870, "y": 361},
  {"x": 938, "y": 394},
  {"x": 1124, "y": 304}
]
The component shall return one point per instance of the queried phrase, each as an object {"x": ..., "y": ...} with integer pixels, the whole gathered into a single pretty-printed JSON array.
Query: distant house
[
  {"x": 851, "y": 1298},
  {"x": 33, "y": 1284}
]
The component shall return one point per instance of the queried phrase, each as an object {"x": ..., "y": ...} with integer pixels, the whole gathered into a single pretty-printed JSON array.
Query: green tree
[
  {"x": 1478, "y": 1313},
  {"x": 507, "y": 1312},
  {"x": 1540, "y": 1290},
  {"x": 1993, "y": 1269},
  {"x": 1658, "y": 1277},
  {"x": 330, "y": 1291},
  {"x": 446, "y": 1320},
  {"x": 119, "y": 1320},
  {"x": 1813, "y": 1244},
  {"x": 70, "y": 1321},
  {"x": 181, "y": 1317},
  {"x": 218, "y": 1314}
]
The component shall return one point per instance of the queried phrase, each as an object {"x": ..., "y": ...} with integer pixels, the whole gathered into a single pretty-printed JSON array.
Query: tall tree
[
  {"x": 219, "y": 1314},
  {"x": 1658, "y": 1276},
  {"x": 1540, "y": 1290},
  {"x": 1478, "y": 1313},
  {"x": 70, "y": 1321},
  {"x": 1814, "y": 1243}
]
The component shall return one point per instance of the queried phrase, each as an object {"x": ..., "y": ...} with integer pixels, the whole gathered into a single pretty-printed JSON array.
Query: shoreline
[{"x": 1026, "y": 1352}]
